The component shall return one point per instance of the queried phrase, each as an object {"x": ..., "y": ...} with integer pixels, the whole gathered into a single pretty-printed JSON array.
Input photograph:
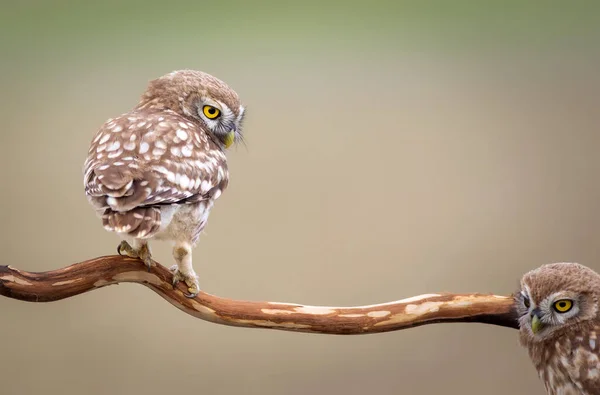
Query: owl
[
  {"x": 155, "y": 172},
  {"x": 559, "y": 321}
]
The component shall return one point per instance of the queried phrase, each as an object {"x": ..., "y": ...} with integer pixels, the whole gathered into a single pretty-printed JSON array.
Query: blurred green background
[{"x": 393, "y": 149}]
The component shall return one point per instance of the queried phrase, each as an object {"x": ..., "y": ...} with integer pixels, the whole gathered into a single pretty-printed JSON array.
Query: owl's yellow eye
[
  {"x": 563, "y": 305},
  {"x": 211, "y": 112}
]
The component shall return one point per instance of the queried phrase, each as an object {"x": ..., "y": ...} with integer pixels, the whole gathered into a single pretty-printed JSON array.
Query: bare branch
[{"x": 100, "y": 272}]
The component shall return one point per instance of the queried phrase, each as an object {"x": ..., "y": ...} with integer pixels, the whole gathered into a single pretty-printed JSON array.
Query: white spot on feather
[
  {"x": 158, "y": 151},
  {"x": 114, "y": 146},
  {"x": 144, "y": 147},
  {"x": 161, "y": 169},
  {"x": 184, "y": 181},
  {"x": 182, "y": 134},
  {"x": 186, "y": 150},
  {"x": 205, "y": 186}
]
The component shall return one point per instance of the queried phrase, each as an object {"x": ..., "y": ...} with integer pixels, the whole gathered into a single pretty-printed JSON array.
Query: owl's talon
[
  {"x": 175, "y": 280},
  {"x": 193, "y": 290},
  {"x": 124, "y": 249},
  {"x": 145, "y": 256},
  {"x": 147, "y": 259},
  {"x": 148, "y": 263},
  {"x": 191, "y": 280},
  {"x": 191, "y": 296}
]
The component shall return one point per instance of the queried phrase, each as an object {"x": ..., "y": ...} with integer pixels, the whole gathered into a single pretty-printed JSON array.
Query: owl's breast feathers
[
  {"x": 142, "y": 161},
  {"x": 569, "y": 364}
]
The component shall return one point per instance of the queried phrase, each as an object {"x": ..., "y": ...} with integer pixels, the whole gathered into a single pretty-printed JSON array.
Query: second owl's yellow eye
[
  {"x": 211, "y": 112},
  {"x": 563, "y": 305}
]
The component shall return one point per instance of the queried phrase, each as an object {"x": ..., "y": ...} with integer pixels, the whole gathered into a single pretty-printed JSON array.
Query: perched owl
[
  {"x": 559, "y": 322},
  {"x": 156, "y": 171}
]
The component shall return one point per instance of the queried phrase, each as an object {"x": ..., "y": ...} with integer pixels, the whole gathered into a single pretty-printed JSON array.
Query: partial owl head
[
  {"x": 555, "y": 297},
  {"x": 202, "y": 98}
]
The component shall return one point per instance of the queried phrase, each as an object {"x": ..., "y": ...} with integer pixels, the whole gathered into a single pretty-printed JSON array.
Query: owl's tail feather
[
  {"x": 141, "y": 222},
  {"x": 136, "y": 195},
  {"x": 114, "y": 181},
  {"x": 119, "y": 189}
]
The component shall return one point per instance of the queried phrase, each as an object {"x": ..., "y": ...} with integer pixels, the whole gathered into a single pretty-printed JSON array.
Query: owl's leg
[
  {"x": 140, "y": 249},
  {"x": 183, "y": 270}
]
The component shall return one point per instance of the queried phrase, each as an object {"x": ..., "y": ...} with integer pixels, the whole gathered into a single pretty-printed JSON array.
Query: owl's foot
[
  {"x": 142, "y": 253},
  {"x": 191, "y": 280}
]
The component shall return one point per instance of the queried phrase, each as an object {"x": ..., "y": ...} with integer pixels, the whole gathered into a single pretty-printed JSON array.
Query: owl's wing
[
  {"x": 141, "y": 161},
  {"x": 583, "y": 364}
]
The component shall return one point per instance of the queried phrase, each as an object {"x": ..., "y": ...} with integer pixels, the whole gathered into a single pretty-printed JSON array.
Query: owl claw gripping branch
[
  {"x": 155, "y": 172},
  {"x": 142, "y": 253}
]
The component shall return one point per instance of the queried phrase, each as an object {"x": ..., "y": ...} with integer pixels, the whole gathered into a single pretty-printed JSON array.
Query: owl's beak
[
  {"x": 536, "y": 323},
  {"x": 229, "y": 138}
]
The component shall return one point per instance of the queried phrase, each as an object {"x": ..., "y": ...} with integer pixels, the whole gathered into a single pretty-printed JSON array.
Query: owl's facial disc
[
  {"x": 221, "y": 120},
  {"x": 552, "y": 313}
]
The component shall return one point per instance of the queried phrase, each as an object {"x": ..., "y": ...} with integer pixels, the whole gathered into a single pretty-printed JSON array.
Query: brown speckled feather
[{"x": 143, "y": 159}]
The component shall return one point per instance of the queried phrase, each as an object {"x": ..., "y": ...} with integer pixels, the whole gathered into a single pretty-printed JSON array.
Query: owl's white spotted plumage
[
  {"x": 155, "y": 172},
  {"x": 559, "y": 319}
]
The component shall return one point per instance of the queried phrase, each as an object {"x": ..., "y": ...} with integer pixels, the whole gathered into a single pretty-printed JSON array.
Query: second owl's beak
[
  {"x": 536, "y": 323},
  {"x": 229, "y": 138}
]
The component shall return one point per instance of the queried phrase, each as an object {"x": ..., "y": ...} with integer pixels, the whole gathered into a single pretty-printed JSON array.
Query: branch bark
[{"x": 402, "y": 314}]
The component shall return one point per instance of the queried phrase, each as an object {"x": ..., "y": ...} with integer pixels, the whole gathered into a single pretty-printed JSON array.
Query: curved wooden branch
[{"x": 100, "y": 272}]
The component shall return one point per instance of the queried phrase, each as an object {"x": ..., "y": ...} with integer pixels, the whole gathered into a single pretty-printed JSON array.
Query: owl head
[
  {"x": 555, "y": 297},
  {"x": 200, "y": 97}
]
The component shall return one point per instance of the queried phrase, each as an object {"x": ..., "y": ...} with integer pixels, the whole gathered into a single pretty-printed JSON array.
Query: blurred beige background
[{"x": 393, "y": 149}]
